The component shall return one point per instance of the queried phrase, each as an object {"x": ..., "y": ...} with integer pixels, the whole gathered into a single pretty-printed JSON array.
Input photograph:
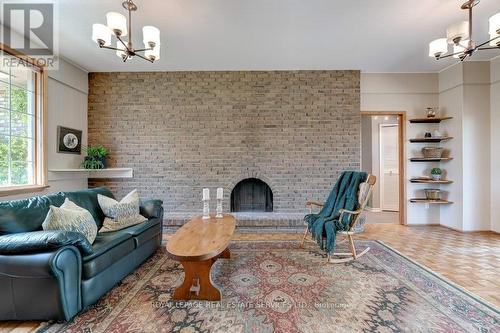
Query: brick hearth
[{"x": 252, "y": 220}]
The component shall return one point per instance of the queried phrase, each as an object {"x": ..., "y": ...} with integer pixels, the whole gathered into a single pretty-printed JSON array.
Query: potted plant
[
  {"x": 436, "y": 173},
  {"x": 96, "y": 157}
]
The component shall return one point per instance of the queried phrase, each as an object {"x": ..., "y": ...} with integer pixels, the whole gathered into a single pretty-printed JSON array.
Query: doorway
[
  {"x": 382, "y": 151},
  {"x": 389, "y": 167}
]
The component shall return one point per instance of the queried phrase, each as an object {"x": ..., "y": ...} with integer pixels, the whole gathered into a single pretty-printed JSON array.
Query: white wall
[
  {"x": 465, "y": 95},
  {"x": 412, "y": 94},
  {"x": 495, "y": 142},
  {"x": 366, "y": 144},
  {"x": 476, "y": 145},
  {"x": 451, "y": 96},
  {"x": 67, "y": 106}
]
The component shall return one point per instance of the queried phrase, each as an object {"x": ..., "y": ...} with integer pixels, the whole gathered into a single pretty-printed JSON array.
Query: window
[{"x": 21, "y": 124}]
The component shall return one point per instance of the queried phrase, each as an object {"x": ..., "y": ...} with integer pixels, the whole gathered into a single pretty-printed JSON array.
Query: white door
[{"x": 389, "y": 167}]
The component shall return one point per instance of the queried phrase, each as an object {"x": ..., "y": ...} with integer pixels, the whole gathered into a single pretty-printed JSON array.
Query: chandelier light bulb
[
  {"x": 460, "y": 48},
  {"x": 458, "y": 32},
  {"x": 153, "y": 54},
  {"x": 495, "y": 39},
  {"x": 117, "y": 23},
  {"x": 151, "y": 36},
  {"x": 438, "y": 48},
  {"x": 121, "y": 50},
  {"x": 101, "y": 34}
]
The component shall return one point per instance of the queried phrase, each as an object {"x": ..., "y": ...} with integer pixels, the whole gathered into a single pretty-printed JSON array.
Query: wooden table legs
[
  {"x": 225, "y": 254},
  {"x": 197, "y": 284}
]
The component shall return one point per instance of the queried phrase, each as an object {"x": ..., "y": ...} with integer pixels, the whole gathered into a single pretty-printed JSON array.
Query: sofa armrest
[
  {"x": 41, "y": 286},
  {"x": 41, "y": 241},
  {"x": 152, "y": 208}
]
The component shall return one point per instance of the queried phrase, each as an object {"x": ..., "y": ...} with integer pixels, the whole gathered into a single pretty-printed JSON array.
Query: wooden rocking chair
[{"x": 364, "y": 192}]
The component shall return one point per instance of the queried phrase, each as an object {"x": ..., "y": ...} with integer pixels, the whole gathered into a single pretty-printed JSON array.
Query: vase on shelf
[{"x": 431, "y": 112}]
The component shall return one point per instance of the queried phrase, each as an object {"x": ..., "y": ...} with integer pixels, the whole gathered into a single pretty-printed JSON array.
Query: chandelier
[
  {"x": 117, "y": 25},
  {"x": 460, "y": 36}
]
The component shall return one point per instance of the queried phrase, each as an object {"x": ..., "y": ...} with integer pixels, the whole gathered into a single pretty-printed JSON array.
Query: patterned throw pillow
[
  {"x": 121, "y": 214},
  {"x": 71, "y": 217}
]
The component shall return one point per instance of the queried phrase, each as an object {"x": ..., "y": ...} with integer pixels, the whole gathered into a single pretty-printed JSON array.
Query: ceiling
[{"x": 369, "y": 35}]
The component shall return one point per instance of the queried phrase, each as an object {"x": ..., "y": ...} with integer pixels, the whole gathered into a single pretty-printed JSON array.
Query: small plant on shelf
[
  {"x": 92, "y": 164},
  {"x": 436, "y": 173},
  {"x": 96, "y": 157}
]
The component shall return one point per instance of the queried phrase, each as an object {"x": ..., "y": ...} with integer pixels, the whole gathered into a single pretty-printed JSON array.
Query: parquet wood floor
[{"x": 471, "y": 260}]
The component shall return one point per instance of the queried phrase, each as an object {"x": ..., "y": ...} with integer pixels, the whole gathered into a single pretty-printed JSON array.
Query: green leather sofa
[{"x": 55, "y": 274}]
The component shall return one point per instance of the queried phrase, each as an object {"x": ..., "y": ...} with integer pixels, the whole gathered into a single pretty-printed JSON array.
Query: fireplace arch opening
[{"x": 251, "y": 195}]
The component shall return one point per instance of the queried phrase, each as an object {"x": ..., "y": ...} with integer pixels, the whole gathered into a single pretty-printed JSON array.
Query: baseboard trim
[
  {"x": 451, "y": 228},
  {"x": 468, "y": 231},
  {"x": 422, "y": 224}
]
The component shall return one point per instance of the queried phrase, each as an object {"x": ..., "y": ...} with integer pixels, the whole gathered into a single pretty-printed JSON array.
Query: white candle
[
  {"x": 206, "y": 194},
  {"x": 220, "y": 193}
]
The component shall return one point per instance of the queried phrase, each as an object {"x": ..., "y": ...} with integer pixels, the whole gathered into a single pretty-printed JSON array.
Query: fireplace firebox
[{"x": 251, "y": 195}]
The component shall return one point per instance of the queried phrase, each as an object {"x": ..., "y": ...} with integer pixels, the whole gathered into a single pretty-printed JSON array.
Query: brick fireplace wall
[{"x": 182, "y": 131}]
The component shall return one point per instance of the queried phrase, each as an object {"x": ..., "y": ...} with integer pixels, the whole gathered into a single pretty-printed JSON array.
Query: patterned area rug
[{"x": 278, "y": 287}]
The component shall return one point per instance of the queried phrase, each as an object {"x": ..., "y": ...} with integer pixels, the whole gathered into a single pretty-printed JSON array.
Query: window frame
[{"x": 40, "y": 137}]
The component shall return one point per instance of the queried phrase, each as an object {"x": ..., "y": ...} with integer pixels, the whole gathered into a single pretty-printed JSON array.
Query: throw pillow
[
  {"x": 120, "y": 215},
  {"x": 71, "y": 217}
]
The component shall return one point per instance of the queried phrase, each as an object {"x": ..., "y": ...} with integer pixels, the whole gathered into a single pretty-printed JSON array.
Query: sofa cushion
[
  {"x": 144, "y": 231},
  {"x": 43, "y": 241},
  {"x": 151, "y": 208},
  {"x": 88, "y": 199},
  {"x": 26, "y": 214},
  {"x": 108, "y": 248},
  {"x": 71, "y": 217},
  {"x": 120, "y": 215}
]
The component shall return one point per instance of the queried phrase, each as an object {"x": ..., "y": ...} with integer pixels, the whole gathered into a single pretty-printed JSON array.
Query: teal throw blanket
[{"x": 324, "y": 225}]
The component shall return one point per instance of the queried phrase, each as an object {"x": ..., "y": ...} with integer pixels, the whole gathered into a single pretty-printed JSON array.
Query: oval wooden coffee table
[{"x": 197, "y": 245}]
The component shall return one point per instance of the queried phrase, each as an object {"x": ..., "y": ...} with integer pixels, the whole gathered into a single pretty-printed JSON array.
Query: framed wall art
[{"x": 69, "y": 140}]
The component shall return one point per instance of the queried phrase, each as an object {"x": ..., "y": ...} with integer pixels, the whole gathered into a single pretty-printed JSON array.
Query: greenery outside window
[{"x": 22, "y": 163}]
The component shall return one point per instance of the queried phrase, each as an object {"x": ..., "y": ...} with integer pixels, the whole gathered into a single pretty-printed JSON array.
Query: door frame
[{"x": 402, "y": 154}]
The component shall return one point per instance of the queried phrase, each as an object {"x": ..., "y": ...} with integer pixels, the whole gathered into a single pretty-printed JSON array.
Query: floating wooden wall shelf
[
  {"x": 98, "y": 173},
  {"x": 430, "y": 181},
  {"x": 432, "y": 202},
  {"x": 430, "y": 140},
  {"x": 435, "y": 120},
  {"x": 426, "y": 159}
]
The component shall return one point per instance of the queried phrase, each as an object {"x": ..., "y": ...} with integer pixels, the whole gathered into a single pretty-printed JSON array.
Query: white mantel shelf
[{"x": 98, "y": 173}]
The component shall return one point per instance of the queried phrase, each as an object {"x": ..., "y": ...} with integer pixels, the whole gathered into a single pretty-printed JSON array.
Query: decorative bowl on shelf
[
  {"x": 432, "y": 152},
  {"x": 432, "y": 194}
]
